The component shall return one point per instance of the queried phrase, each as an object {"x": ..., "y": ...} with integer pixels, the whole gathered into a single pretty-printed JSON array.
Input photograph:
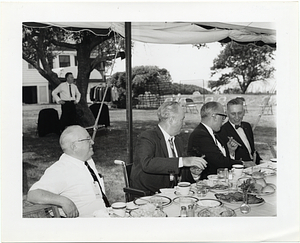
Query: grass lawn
[{"x": 110, "y": 144}]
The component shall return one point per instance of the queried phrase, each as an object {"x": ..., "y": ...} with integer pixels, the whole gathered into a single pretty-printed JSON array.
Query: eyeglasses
[
  {"x": 223, "y": 115},
  {"x": 85, "y": 139}
]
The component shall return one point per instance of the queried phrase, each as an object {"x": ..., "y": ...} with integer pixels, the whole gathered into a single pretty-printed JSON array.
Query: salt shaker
[
  {"x": 183, "y": 212},
  {"x": 190, "y": 211}
]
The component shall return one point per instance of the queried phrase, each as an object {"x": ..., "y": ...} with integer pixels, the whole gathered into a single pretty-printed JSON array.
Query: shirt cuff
[{"x": 180, "y": 164}]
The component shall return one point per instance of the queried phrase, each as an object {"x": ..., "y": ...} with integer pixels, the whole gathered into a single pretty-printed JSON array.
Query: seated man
[
  {"x": 239, "y": 133},
  {"x": 158, "y": 161},
  {"x": 203, "y": 140},
  {"x": 72, "y": 182}
]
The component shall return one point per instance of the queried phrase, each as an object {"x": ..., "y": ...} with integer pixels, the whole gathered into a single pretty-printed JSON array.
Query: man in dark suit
[
  {"x": 158, "y": 155},
  {"x": 239, "y": 133},
  {"x": 203, "y": 140}
]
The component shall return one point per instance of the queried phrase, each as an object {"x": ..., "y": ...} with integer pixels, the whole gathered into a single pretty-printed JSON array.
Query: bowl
[{"x": 209, "y": 203}]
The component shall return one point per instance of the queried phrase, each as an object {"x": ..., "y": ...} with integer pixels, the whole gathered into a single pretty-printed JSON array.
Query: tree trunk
[{"x": 84, "y": 115}]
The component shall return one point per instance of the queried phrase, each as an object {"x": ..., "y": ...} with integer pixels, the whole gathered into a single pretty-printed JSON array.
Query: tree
[
  {"x": 248, "y": 63},
  {"x": 144, "y": 78},
  {"x": 40, "y": 44}
]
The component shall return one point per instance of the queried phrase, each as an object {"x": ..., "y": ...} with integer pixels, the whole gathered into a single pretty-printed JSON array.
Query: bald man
[{"x": 69, "y": 183}]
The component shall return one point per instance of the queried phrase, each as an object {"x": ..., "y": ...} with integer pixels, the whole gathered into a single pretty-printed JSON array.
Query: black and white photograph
[{"x": 150, "y": 121}]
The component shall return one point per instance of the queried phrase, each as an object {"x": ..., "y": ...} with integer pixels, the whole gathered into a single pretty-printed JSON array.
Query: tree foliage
[
  {"x": 248, "y": 64},
  {"x": 40, "y": 45},
  {"x": 150, "y": 79}
]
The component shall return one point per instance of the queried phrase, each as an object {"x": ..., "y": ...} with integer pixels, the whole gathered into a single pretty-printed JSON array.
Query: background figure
[
  {"x": 158, "y": 161},
  {"x": 73, "y": 182},
  {"x": 239, "y": 133},
  {"x": 68, "y": 95},
  {"x": 203, "y": 140}
]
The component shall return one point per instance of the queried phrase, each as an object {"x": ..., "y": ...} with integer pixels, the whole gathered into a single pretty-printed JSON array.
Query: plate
[
  {"x": 142, "y": 201},
  {"x": 209, "y": 203},
  {"x": 143, "y": 212},
  {"x": 191, "y": 192},
  {"x": 186, "y": 199},
  {"x": 165, "y": 200},
  {"x": 216, "y": 212},
  {"x": 239, "y": 202},
  {"x": 266, "y": 170},
  {"x": 145, "y": 200},
  {"x": 218, "y": 188},
  {"x": 264, "y": 193},
  {"x": 274, "y": 160}
]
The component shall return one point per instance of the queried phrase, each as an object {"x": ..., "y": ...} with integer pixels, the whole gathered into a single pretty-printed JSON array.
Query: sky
[{"x": 187, "y": 64}]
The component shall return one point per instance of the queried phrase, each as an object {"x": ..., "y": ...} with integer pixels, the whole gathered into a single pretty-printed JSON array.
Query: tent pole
[{"x": 128, "y": 92}]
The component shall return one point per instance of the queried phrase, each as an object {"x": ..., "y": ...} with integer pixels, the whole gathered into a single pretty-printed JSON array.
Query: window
[{"x": 64, "y": 61}]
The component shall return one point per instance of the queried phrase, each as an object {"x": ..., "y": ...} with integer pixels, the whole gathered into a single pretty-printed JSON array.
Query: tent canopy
[{"x": 178, "y": 32}]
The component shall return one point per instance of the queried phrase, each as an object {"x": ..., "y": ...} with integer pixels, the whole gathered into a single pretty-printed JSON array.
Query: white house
[{"x": 37, "y": 90}]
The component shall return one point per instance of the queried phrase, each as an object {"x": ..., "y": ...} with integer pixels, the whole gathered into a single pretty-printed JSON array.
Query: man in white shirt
[
  {"x": 69, "y": 183},
  {"x": 159, "y": 153},
  {"x": 68, "y": 95}
]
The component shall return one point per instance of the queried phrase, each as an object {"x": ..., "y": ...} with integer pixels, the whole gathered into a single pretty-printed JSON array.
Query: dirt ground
[{"x": 111, "y": 143}]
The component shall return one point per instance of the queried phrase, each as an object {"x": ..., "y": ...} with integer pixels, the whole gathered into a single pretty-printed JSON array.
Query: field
[{"x": 110, "y": 144}]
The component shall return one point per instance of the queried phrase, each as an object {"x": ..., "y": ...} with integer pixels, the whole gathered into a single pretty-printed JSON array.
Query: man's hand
[
  {"x": 69, "y": 208},
  {"x": 75, "y": 102},
  {"x": 248, "y": 164},
  {"x": 61, "y": 102},
  {"x": 194, "y": 161},
  {"x": 232, "y": 144}
]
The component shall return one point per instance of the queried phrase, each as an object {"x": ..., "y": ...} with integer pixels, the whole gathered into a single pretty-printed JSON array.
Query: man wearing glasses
[
  {"x": 73, "y": 182},
  {"x": 204, "y": 141}
]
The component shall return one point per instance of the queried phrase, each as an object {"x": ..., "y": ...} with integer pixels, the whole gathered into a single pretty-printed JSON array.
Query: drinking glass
[{"x": 196, "y": 172}]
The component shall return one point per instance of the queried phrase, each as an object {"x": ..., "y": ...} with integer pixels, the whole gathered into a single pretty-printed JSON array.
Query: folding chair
[
  {"x": 244, "y": 102},
  {"x": 40, "y": 210},
  {"x": 222, "y": 100},
  {"x": 265, "y": 104},
  {"x": 130, "y": 193},
  {"x": 190, "y": 106},
  {"x": 209, "y": 99}
]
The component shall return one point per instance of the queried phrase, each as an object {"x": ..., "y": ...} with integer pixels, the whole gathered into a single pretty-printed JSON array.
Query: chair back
[
  {"x": 189, "y": 100},
  {"x": 209, "y": 99},
  {"x": 222, "y": 100},
  {"x": 39, "y": 210}
]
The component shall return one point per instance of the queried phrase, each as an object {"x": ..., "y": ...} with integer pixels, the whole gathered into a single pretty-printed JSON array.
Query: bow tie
[{"x": 237, "y": 126}]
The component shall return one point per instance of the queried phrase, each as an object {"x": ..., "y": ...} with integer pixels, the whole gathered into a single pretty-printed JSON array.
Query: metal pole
[{"x": 128, "y": 91}]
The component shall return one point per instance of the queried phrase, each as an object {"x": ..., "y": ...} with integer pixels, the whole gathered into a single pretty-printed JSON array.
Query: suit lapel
[{"x": 162, "y": 142}]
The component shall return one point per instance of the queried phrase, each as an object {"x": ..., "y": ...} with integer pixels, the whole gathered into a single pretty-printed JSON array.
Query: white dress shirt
[
  {"x": 64, "y": 93},
  {"x": 70, "y": 177},
  {"x": 220, "y": 146}
]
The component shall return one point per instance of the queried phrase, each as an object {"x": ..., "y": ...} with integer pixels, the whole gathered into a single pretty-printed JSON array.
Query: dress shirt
[
  {"x": 211, "y": 132},
  {"x": 64, "y": 92},
  {"x": 69, "y": 177},
  {"x": 241, "y": 133},
  {"x": 167, "y": 137}
]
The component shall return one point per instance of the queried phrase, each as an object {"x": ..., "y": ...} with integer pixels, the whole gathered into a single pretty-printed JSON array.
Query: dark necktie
[
  {"x": 70, "y": 90},
  {"x": 172, "y": 147},
  {"x": 173, "y": 177},
  {"x": 96, "y": 179},
  {"x": 238, "y": 126}
]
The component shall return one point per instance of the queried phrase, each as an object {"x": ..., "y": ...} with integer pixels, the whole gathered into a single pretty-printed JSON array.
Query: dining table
[{"x": 172, "y": 206}]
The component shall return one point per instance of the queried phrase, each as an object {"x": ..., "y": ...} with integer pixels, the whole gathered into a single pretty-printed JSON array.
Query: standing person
[
  {"x": 239, "y": 133},
  {"x": 73, "y": 182},
  {"x": 68, "y": 95},
  {"x": 158, "y": 159},
  {"x": 204, "y": 141}
]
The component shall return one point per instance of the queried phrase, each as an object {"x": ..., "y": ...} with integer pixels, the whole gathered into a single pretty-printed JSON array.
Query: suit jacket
[
  {"x": 201, "y": 143},
  {"x": 227, "y": 130},
  {"x": 152, "y": 166}
]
